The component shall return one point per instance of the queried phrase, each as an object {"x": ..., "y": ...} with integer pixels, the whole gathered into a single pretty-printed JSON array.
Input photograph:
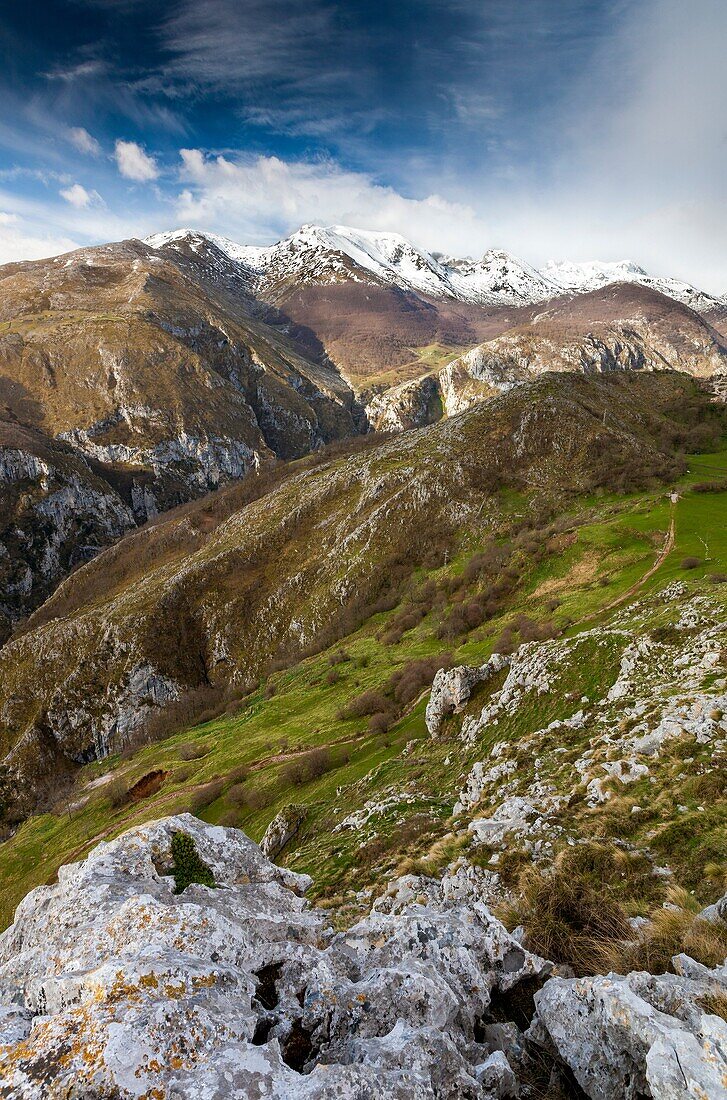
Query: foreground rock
[
  {"x": 125, "y": 980},
  {"x": 113, "y": 984},
  {"x": 640, "y": 1035}
]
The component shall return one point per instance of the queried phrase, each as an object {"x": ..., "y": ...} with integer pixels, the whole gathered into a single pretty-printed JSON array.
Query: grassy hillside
[{"x": 294, "y": 739}]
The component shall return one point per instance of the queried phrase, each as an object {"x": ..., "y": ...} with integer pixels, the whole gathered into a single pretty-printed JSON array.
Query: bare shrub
[
  {"x": 237, "y": 793},
  {"x": 380, "y": 722},
  {"x": 117, "y": 792},
  {"x": 371, "y": 701},
  {"x": 206, "y": 795},
  {"x": 230, "y": 819},
  {"x": 311, "y": 766},
  {"x": 193, "y": 750}
]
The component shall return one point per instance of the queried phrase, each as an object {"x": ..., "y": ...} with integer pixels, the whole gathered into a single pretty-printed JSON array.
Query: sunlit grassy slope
[{"x": 240, "y": 766}]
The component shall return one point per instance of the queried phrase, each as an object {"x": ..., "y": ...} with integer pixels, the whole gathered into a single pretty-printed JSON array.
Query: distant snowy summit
[{"x": 337, "y": 254}]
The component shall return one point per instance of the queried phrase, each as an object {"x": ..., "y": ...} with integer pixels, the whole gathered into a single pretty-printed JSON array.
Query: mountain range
[
  {"x": 338, "y": 253},
  {"x": 136, "y": 376}
]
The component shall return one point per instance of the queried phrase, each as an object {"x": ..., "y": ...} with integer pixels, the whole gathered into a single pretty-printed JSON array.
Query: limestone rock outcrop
[
  {"x": 639, "y": 1035},
  {"x": 113, "y": 984},
  {"x": 452, "y": 688},
  {"x": 282, "y": 829},
  {"x": 130, "y": 978}
]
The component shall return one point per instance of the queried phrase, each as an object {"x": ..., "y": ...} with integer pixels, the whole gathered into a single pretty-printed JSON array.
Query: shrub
[
  {"x": 379, "y": 723},
  {"x": 187, "y": 866},
  {"x": 371, "y": 701},
  {"x": 257, "y": 799},
  {"x": 311, "y": 766},
  {"x": 717, "y": 578},
  {"x": 192, "y": 750},
  {"x": 710, "y": 486},
  {"x": 690, "y": 563},
  {"x": 117, "y": 792},
  {"x": 206, "y": 795},
  {"x": 666, "y": 635},
  {"x": 237, "y": 794},
  {"x": 505, "y": 643},
  {"x": 408, "y": 682},
  {"x": 229, "y": 819},
  {"x": 332, "y": 677},
  {"x": 238, "y": 775}
]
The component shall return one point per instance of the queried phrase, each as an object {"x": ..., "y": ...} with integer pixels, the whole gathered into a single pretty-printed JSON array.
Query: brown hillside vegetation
[{"x": 209, "y": 597}]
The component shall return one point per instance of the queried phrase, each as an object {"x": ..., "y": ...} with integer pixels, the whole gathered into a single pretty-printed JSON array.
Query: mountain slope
[
  {"x": 230, "y": 585},
  {"x": 623, "y": 326},
  {"x": 147, "y": 370}
]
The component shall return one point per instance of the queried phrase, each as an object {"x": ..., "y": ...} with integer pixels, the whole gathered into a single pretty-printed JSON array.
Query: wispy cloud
[
  {"x": 19, "y": 242},
  {"x": 84, "y": 142},
  {"x": 264, "y": 197},
  {"x": 291, "y": 67}
]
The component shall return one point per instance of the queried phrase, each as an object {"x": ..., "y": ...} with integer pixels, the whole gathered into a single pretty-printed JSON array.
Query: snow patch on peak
[{"x": 594, "y": 274}]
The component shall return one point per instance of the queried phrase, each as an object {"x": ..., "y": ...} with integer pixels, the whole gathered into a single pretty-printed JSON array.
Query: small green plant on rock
[{"x": 188, "y": 867}]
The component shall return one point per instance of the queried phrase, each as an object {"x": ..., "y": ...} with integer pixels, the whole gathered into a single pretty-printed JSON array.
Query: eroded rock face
[
  {"x": 452, "y": 688},
  {"x": 411, "y": 404},
  {"x": 112, "y": 984},
  {"x": 639, "y": 1035}
]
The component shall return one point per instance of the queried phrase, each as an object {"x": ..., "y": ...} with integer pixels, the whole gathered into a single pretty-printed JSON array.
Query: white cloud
[
  {"x": 83, "y": 141},
  {"x": 78, "y": 196},
  {"x": 134, "y": 163},
  {"x": 261, "y": 198}
]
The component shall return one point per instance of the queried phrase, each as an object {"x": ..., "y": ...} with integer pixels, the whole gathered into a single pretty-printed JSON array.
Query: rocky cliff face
[
  {"x": 176, "y": 961},
  {"x": 623, "y": 327},
  {"x": 56, "y": 512}
]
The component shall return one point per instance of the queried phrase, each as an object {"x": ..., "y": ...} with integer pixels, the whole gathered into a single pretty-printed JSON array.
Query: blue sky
[{"x": 554, "y": 128}]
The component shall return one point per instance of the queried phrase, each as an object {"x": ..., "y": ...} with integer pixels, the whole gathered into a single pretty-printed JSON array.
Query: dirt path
[{"x": 639, "y": 584}]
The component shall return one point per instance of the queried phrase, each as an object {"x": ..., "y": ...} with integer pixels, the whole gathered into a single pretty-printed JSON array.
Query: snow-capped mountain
[
  {"x": 338, "y": 254},
  {"x": 592, "y": 275},
  {"x": 335, "y": 254}
]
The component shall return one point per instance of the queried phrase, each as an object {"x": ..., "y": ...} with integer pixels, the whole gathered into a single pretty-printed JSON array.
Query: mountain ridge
[{"x": 337, "y": 253}]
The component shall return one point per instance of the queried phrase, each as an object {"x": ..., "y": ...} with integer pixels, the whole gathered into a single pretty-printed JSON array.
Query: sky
[{"x": 578, "y": 129}]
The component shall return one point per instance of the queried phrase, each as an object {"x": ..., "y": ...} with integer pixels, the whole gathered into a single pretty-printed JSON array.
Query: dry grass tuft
[
  {"x": 715, "y": 1003},
  {"x": 569, "y": 920},
  {"x": 675, "y": 930}
]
